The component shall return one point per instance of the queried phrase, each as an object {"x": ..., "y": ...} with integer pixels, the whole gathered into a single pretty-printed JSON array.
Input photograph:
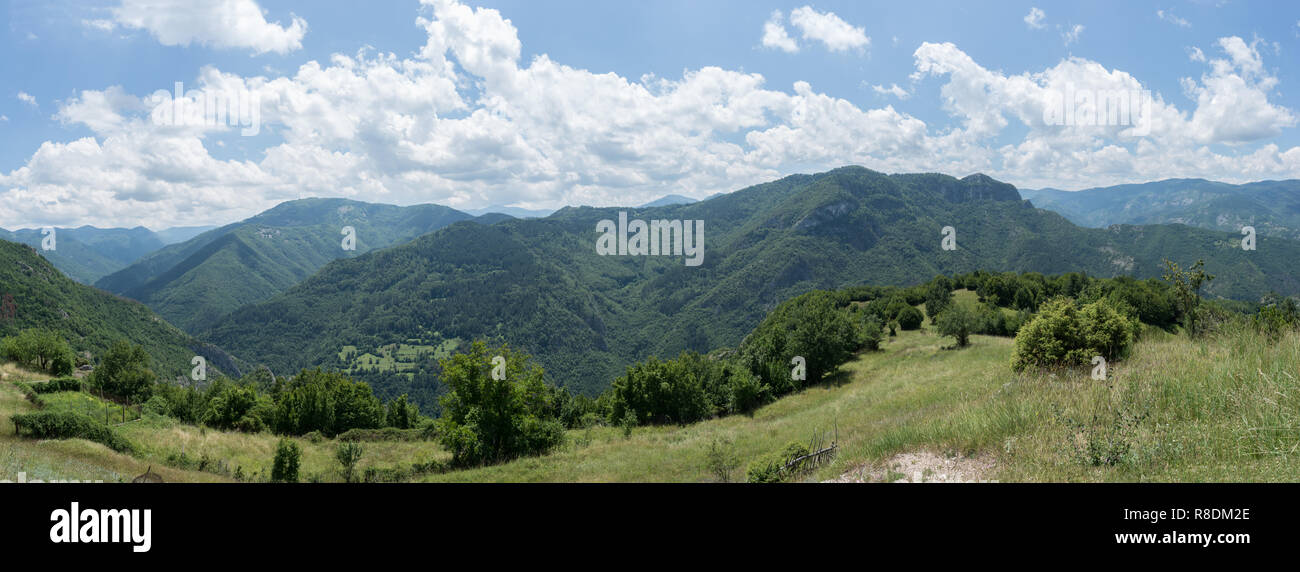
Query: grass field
[{"x": 1224, "y": 408}]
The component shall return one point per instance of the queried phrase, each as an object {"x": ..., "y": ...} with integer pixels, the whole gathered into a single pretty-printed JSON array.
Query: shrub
[
  {"x": 489, "y": 420},
  {"x": 124, "y": 372},
  {"x": 41, "y": 348},
  {"x": 348, "y": 454},
  {"x": 910, "y": 318},
  {"x": 777, "y": 467},
  {"x": 958, "y": 321},
  {"x": 1062, "y": 334},
  {"x": 68, "y": 425},
  {"x": 57, "y": 385},
  {"x": 873, "y": 332},
  {"x": 328, "y": 402},
  {"x": 288, "y": 457},
  {"x": 720, "y": 459}
]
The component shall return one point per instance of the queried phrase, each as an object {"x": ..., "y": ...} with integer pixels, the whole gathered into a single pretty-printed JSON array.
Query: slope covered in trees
[
  {"x": 34, "y": 294},
  {"x": 195, "y": 282},
  {"x": 541, "y": 286}
]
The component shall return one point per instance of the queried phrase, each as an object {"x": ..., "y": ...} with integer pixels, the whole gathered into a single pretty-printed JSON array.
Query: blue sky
[{"x": 631, "y": 100}]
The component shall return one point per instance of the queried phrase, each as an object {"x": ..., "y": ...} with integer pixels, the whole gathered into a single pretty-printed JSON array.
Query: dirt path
[{"x": 922, "y": 467}]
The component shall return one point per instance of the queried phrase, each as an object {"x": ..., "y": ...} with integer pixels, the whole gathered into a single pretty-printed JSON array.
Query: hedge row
[{"x": 68, "y": 425}]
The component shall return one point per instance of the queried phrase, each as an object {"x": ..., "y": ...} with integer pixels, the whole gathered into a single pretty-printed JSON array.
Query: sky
[{"x": 545, "y": 103}]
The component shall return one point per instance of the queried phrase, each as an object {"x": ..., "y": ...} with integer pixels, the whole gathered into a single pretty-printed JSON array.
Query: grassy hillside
[
  {"x": 1222, "y": 408},
  {"x": 540, "y": 285},
  {"x": 196, "y": 282},
  {"x": 90, "y": 319}
]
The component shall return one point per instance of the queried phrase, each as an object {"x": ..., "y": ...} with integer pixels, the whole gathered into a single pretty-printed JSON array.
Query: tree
[
  {"x": 348, "y": 454},
  {"x": 1062, "y": 334},
  {"x": 910, "y": 318},
  {"x": 938, "y": 297},
  {"x": 42, "y": 348},
  {"x": 401, "y": 413},
  {"x": 329, "y": 402},
  {"x": 124, "y": 372},
  {"x": 958, "y": 321},
  {"x": 490, "y": 415},
  {"x": 873, "y": 332},
  {"x": 288, "y": 456},
  {"x": 1187, "y": 287}
]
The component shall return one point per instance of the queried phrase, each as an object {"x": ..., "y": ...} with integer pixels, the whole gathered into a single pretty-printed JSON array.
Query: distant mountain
[
  {"x": 668, "y": 200},
  {"x": 195, "y": 282},
  {"x": 540, "y": 284},
  {"x": 87, "y": 253},
  {"x": 512, "y": 211},
  {"x": 91, "y": 319},
  {"x": 1272, "y": 207},
  {"x": 177, "y": 234}
]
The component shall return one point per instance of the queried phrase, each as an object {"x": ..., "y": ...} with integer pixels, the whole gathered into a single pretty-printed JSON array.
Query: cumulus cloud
[
  {"x": 239, "y": 24},
  {"x": 776, "y": 36},
  {"x": 26, "y": 98},
  {"x": 1034, "y": 19},
  {"x": 468, "y": 121},
  {"x": 829, "y": 29}
]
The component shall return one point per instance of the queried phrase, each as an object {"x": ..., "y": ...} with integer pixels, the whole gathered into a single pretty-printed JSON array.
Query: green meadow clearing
[{"x": 1222, "y": 408}]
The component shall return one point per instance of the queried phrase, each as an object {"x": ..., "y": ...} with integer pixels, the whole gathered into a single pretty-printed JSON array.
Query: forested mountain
[
  {"x": 87, "y": 253},
  {"x": 195, "y": 282},
  {"x": 1272, "y": 207},
  {"x": 34, "y": 294},
  {"x": 540, "y": 284}
]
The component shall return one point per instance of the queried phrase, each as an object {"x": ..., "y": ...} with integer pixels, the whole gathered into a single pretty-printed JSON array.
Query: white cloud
[
  {"x": 26, "y": 98},
  {"x": 237, "y": 24},
  {"x": 4, "y": 118},
  {"x": 1071, "y": 34},
  {"x": 468, "y": 122},
  {"x": 775, "y": 35},
  {"x": 829, "y": 29},
  {"x": 1195, "y": 54},
  {"x": 893, "y": 90},
  {"x": 1172, "y": 19},
  {"x": 1035, "y": 18}
]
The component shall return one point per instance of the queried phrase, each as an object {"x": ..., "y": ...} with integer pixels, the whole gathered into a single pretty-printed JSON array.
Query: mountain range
[
  {"x": 1272, "y": 207},
  {"x": 195, "y": 282},
  {"x": 539, "y": 283}
]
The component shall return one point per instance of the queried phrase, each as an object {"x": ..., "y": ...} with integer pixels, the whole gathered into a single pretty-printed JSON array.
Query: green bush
[
  {"x": 910, "y": 318},
  {"x": 40, "y": 348},
  {"x": 1062, "y": 334},
  {"x": 57, "y": 385},
  {"x": 288, "y": 458},
  {"x": 959, "y": 321},
  {"x": 124, "y": 372},
  {"x": 68, "y": 425},
  {"x": 487, "y": 420},
  {"x": 777, "y": 467}
]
